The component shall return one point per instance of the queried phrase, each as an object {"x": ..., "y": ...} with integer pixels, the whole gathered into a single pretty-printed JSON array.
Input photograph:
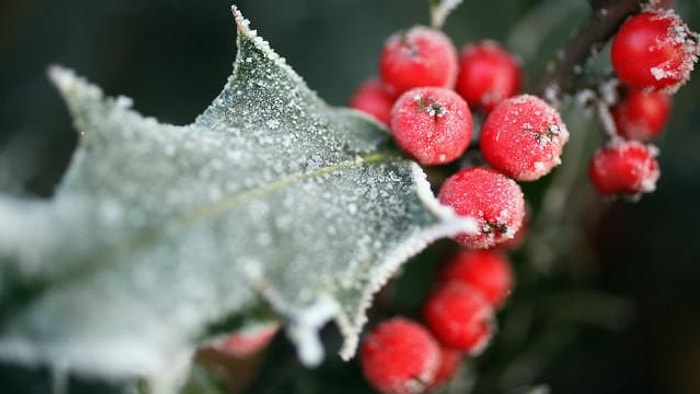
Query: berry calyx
[
  {"x": 432, "y": 125},
  {"x": 488, "y": 74},
  {"x": 459, "y": 317},
  {"x": 625, "y": 168},
  {"x": 523, "y": 137},
  {"x": 371, "y": 99},
  {"x": 450, "y": 361},
  {"x": 654, "y": 50},
  {"x": 493, "y": 200},
  {"x": 640, "y": 115},
  {"x": 418, "y": 57},
  {"x": 487, "y": 271},
  {"x": 399, "y": 356}
]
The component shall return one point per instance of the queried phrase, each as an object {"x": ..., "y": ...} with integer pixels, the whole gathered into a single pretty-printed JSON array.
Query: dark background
[{"x": 618, "y": 312}]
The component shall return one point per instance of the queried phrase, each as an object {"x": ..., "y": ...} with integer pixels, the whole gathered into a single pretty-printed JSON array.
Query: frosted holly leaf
[
  {"x": 440, "y": 9},
  {"x": 158, "y": 232}
]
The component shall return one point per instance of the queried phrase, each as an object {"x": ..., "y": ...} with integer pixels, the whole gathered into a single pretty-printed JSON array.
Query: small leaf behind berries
[
  {"x": 158, "y": 232},
  {"x": 440, "y": 9}
]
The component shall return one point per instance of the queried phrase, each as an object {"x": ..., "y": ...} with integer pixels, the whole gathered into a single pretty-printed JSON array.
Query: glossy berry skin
[
  {"x": 459, "y": 317},
  {"x": 450, "y": 361},
  {"x": 399, "y": 356},
  {"x": 421, "y": 56},
  {"x": 625, "y": 168},
  {"x": 371, "y": 99},
  {"x": 642, "y": 116},
  {"x": 488, "y": 74},
  {"x": 493, "y": 200},
  {"x": 654, "y": 50},
  {"x": 432, "y": 125},
  {"x": 523, "y": 137},
  {"x": 487, "y": 271}
]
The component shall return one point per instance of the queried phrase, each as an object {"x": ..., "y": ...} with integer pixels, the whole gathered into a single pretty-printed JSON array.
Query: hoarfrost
[
  {"x": 440, "y": 9},
  {"x": 158, "y": 231}
]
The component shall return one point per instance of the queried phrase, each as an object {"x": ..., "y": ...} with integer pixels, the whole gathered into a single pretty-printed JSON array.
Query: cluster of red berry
[
  {"x": 652, "y": 54},
  {"x": 400, "y": 356},
  {"x": 424, "y": 95}
]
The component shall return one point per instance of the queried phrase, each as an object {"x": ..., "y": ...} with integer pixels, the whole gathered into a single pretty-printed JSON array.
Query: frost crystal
[{"x": 158, "y": 231}]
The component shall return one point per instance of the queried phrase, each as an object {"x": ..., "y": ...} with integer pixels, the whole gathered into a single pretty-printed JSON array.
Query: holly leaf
[{"x": 159, "y": 232}]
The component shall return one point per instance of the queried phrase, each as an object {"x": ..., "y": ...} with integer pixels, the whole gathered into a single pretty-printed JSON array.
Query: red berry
[
  {"x": 642, "y": 116},
  {"x": 419, "y": 57},
  {"x": 459, "y": 317},
  {"x": 433, "y": 125},
  {"x": 654, "y": 50},
  {"x": 450, "y": 361},
  {"x": 487, "y": 271},
  {"x": 399, "y": 357},
  {"x": 249, "y": 340},
  {"x": 371, "y": 99},
  {"x": 523, "y": 137},
  {"x": 488, "y": 74},
  {"x": 627, "y": 168},
  {"x": 495, "y": 201}
]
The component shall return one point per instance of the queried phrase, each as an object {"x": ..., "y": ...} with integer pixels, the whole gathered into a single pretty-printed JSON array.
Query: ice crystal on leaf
[{"x": 157, "y": 232}]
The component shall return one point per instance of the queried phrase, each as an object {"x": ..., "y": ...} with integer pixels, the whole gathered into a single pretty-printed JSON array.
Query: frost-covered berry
[
  {"x": 487, "y": 271},
  {"x": 418, "y": 57},
  {"x": 626, "y": 168},
  {"x": 493, "y": 200},
  {"x": 399, "y": 356},
  {"x": 654, "y": 50},
  {"x": 523, "y": 137},
  {"x": 641, "y": 116},
  {"x": 432, "y": 125},
  {"x": 371, "y": 99},
  {"x": 488, "y": 74},
  {"x": 450, "y": 361},
  {"x": 460, "y": 317}
]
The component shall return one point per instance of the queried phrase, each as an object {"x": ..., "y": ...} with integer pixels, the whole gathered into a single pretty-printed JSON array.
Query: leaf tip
[
  {"x": 242, "y": 23},
  {"x": 63, "y": 78}
]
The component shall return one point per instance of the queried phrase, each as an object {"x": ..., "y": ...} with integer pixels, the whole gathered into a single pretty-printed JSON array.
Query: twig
[{"x": 606, "y": 18}]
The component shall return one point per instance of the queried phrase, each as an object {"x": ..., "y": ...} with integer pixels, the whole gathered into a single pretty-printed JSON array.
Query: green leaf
[
  {"x": 158, "y": 232},
  {"x": 440, "y": 10}
]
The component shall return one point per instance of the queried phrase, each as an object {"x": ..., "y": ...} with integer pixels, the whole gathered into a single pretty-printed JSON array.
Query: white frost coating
[
  {"x": 440, "y": 9},
  {"x": 450, "y": 224},
  {"x": 303, "y": 325},
  {"x": 112, "y": 359}
]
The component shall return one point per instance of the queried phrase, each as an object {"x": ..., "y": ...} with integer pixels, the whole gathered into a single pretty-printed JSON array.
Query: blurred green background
[{"x": 616, "y": 310}]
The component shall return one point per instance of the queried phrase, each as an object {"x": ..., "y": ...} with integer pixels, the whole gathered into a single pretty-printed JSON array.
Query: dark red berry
[
  {"x": 488, "y": 74},
  {"x": 460, "y": 317},
  {"x": 399, "y": 356},
  {"x": 627, "y": 168},
  {"x": 487, "y": 271},
  {"x": 432, "y": 125},
  {"x": 422, "y": 56},
  {"x": 523, "y": 137},
  {"x": 493, "y": 200},
  {"x": 642, "y": 116},
  {"x": 654, "y": 50},
  {"x": 450, "y": 361},
  {"x": 372, "y": 99}
]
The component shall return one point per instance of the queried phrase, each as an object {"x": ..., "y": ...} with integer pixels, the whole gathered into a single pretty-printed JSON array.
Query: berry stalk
[{"x": 606, "y": 18}]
